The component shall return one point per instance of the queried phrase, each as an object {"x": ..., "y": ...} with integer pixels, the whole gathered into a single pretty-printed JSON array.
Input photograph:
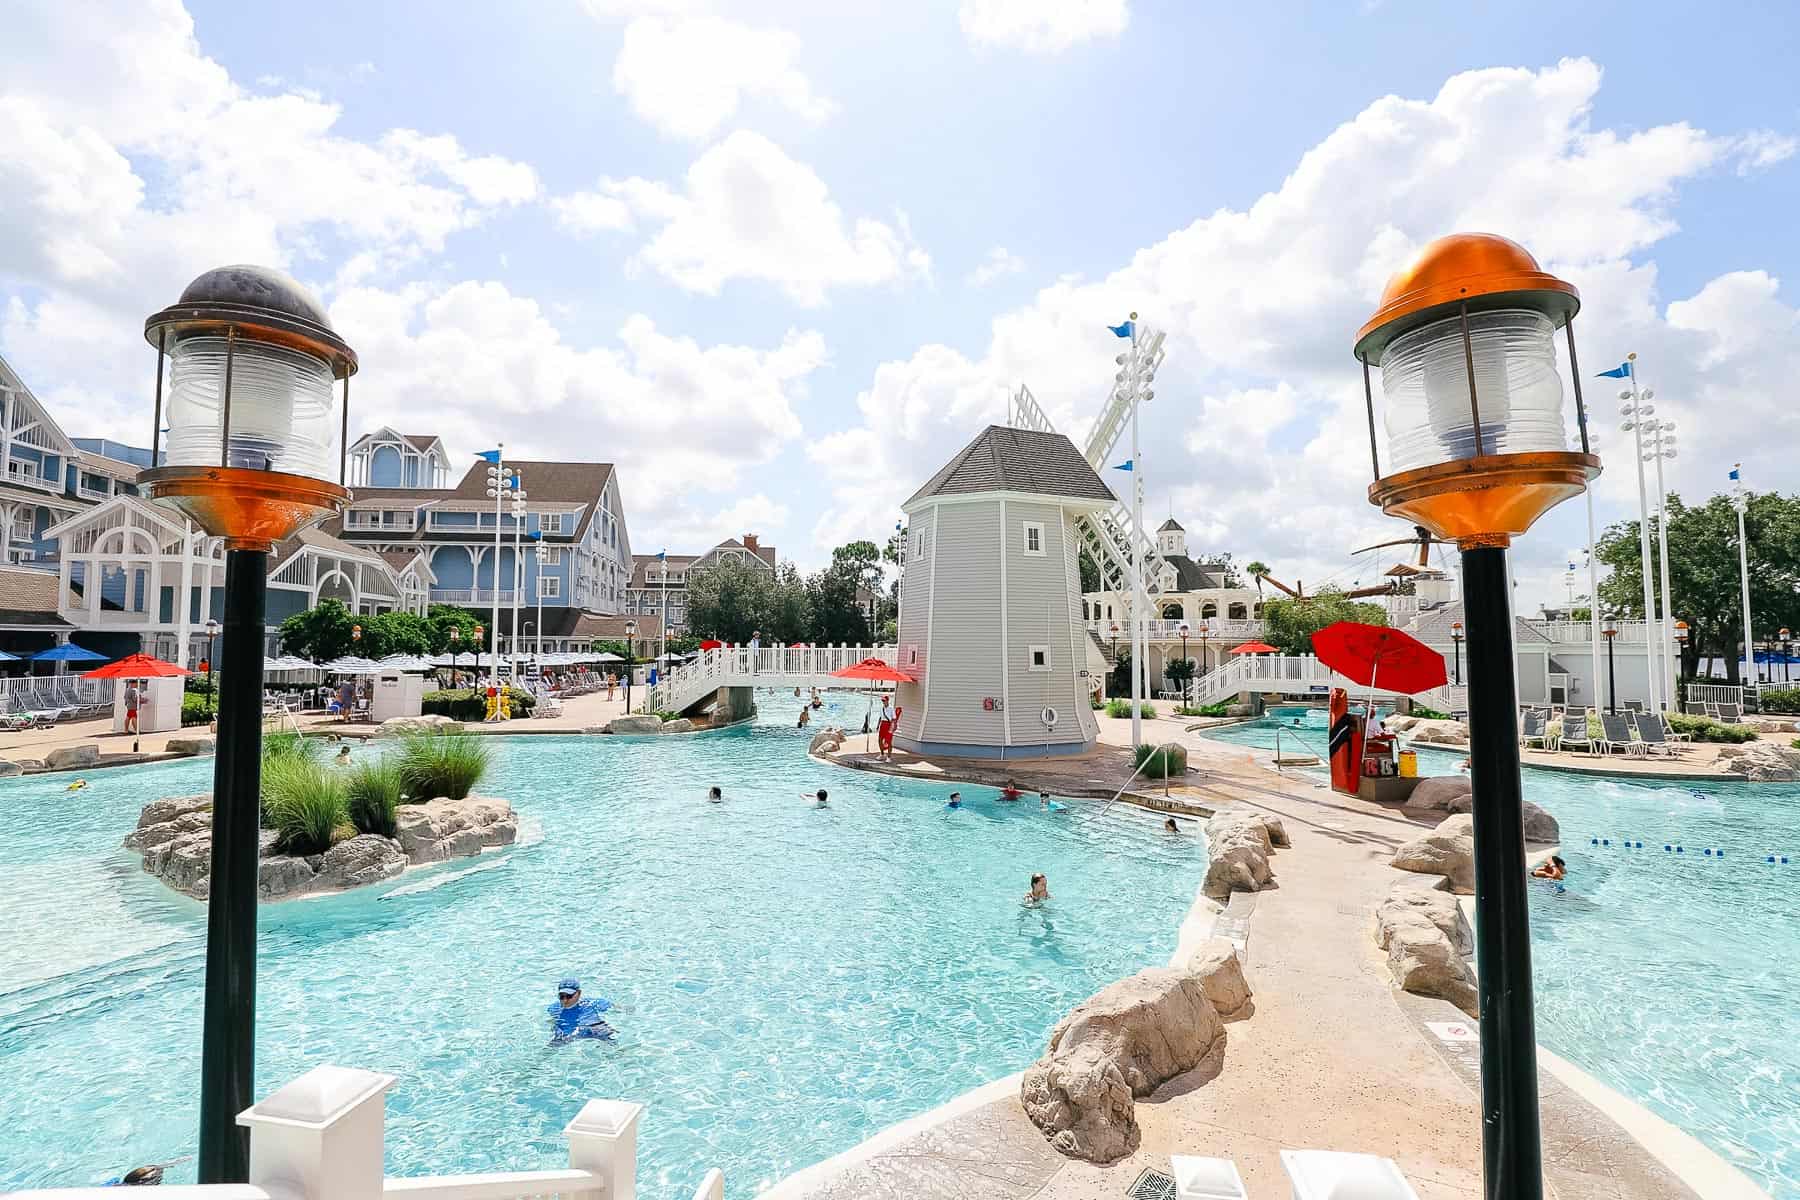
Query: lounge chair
[
  {"x": 1652, "y": 735},
  {"x": 1575, "y": 732},
  {"x": 1695, "y": 709},
  {"x": 1615, "y": 735},
  {"x": 1199, "y": 1178},
  {"x": 1531, "y": 729},
  {"x": 1324, "y": 1174},
  {"x": 1731, "y": 714},
  {"x": 1634, "y": 706}
]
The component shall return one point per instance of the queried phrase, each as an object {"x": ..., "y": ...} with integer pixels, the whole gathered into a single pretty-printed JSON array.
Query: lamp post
[
  {"x": 1609, "y": 629},
  {"x": 630, "y": 657},
  {"x": 1636, "y": 407},
  {"x": 1456, "y": 637},
  {"x": 1740, "y": 500},
  {"x": 1465, "y": 341},
  {"x": 1662, "y": 445},
  {"x": 212, "y": 697},
  {"x": 1681, "y": 639},
  {"x": 500, "y": 479},
  {"x": 252, "y": 362},
  {"x": 455, "y": 646},
  {"x": 1182, "y": 629},
  {"x": 537, "y": 541},
  {"x": 518, "y": 516},
  {"x": 1206, "y": 629},
  {"x": 1115, "y": 645},
  {"x": 1137, "y": 370},
  {"x": 1787, "y": 654},
  {"x": 478, "y": 632}
]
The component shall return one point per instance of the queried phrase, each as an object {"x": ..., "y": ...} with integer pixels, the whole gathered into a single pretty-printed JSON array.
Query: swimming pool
[
  {"x": 1671, "y": 977},
  {"x": 792, "y": 980}
]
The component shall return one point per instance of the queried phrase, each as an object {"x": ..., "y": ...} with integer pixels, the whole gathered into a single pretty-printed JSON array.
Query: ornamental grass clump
[
  {"x": 373, "y": 789},
  {"x": 1161, "y": 762},
  {"x": 1118, "y": 707},
  {"x": 304, "y": 803},
  {"x": 450, "y": 764}
]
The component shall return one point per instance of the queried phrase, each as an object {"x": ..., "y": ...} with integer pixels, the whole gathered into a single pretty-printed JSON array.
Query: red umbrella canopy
[
  {"x": 874, "y": 669},
  {"x": 136, "y": 666},
  {"x": 1374, "y": 655},
  {"x": 711, "y": 644},
  {"x": 1253, "y": 648}
]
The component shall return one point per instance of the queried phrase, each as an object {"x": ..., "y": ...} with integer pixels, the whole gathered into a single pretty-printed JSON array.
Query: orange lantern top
[{"x": 1483, "y": 270}]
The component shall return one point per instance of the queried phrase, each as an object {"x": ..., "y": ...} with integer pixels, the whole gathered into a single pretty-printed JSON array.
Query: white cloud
[
  {"x": 1258, "y": 427},
  {"x": 687, "y": 76},
  {"x": 999, "y": 262},
  {"x": 585, "y": 213},
  {"x": 748, "y": 211},
  {"x": 1041, "y": 26}
]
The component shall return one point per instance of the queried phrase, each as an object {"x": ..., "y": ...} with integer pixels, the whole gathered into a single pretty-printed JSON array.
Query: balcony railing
[
  {"x": 1580, "y": 632},
  {"x": 1224, "y": 630},
  {"x": 478, "y": 596}
]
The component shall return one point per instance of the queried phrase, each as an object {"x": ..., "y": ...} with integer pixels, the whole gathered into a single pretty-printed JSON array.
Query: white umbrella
[
  {"x": 405, "y": 662},
  {"x": 352, "y": 665}
]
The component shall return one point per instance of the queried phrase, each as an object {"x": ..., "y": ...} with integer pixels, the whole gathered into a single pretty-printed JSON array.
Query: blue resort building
[{"x": 85, "y": 558}]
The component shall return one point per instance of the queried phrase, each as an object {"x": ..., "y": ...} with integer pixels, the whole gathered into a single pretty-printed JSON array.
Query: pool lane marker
[{"x": 1675, "y": 848}]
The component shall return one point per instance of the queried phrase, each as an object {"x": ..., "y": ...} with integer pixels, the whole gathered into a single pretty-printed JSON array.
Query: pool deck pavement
[{"x": 1334, "y": 1057}]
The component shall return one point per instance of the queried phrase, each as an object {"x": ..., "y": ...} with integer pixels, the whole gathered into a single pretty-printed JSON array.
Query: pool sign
[{"x": 1319, "y": 687}]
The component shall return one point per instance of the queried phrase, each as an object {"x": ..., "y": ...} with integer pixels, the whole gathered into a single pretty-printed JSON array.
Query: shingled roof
[{"x": 1005, "y": 459}]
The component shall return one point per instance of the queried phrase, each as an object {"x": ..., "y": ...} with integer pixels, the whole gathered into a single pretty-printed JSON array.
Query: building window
[
  {"x": 909, "y": 655},
  {"x": 22, "y": 468},
  {"x": 551, "y": 522},
  {"x": 553, "y": 556},
  {"x": 919, "y": 543},
  {"x": 1034, "y": 539},
  {"x": 549, "y": 587},
  {"x": 1038, "y": 657}
]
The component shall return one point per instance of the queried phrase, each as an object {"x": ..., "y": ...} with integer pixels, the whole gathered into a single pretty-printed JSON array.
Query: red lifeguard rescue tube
[{"x": 1346, "y": 743}]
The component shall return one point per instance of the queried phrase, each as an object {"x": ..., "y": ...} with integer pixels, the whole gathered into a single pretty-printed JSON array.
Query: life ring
[{"x": 1049, "y": 717}]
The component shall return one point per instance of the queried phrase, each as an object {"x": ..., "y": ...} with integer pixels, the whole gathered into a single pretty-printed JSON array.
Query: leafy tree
[
  {"x": 1089, "y": 570},
  {"x": 1229, "y": 576},
  {"x": 321, "y": 633},
  {"x": 443, "y": 618},
  {"x": 790, "y": 615},
  {"x": 730, "y": 601},
  {"x": 861, "y": 561},
  {"x": 396, "y": 633},
  {"x": 836, "y": 617},
  {"x": 1290, "y": 624},
  {"x": 1179, "y": 671},
  {"x": 1703, "y": 573},
  {"x": 895, "y": 550}
]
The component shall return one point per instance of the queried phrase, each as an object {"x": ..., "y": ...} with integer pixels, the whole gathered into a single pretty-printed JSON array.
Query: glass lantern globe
[{"x": 252, "y": 361}]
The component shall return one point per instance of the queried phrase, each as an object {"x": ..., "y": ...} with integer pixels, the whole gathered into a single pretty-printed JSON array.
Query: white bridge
[
  {"x": 771, "y": 667},
  {"x": 1303, "y": 674}
]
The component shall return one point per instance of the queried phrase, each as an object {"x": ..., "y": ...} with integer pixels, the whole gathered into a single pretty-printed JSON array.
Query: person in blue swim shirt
[{"x": 572, "y": 1017}]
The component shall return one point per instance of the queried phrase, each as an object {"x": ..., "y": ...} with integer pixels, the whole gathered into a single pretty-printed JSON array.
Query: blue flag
[
  {"x": 1622, "y": 371},
  {"x": 1735, "y": 476},
  {"x": 492, "y": 456},
  {"x": 1125, "y": 330},
  {"x": 662, "y": 556},
  {"x": 1124, "y": 466}
]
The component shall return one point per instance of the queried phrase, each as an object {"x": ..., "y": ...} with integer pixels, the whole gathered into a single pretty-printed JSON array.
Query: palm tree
[{"x": 1256, "y": 571}]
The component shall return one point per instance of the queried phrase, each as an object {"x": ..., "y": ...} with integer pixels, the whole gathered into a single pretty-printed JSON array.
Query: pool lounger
[{"x": 1325, "y": 1174}]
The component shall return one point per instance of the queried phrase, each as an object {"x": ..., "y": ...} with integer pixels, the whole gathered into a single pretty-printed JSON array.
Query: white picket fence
[{"x": 322, "y": 1137}]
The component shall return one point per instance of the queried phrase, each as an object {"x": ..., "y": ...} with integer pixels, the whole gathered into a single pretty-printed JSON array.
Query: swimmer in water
[
  {"x": 1169, "y": 826},
  {"x": 818, "y": 798},
  {"x": 1046, "y": 804},
  {"x": 955, "y": 800},
  {"x": 572, "y": 1017},
  {"x": 343, "y": 756},
  {"x": 714, "y": 794},
  {"x": 1555, "y": 869},
  {"x": 1011, "y": 790},
  {"x": 805, "y": 717},
  {"x": 150, "y": 1176},
  {"x": 77, "y": 786},
  {"x": 1037, "y": 893}
]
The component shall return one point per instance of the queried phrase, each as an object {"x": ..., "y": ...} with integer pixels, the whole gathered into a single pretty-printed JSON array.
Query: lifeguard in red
[{"x": 885, "y": 730}]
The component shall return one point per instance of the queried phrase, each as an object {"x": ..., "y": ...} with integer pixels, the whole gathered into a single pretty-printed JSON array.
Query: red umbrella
[
  {"x": 877, "y": 671},
  {"x": 136, "y": 666},
  {"x": 1374, "y": 653},
  {"x": 1253, "y": 648},
  {"x": 711, "y": 644}
]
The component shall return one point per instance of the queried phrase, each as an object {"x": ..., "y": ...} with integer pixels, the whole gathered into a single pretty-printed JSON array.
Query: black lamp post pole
[
  {"x": 1456, "y": 646},
  {"x": 229, "y": 1038},
  {"x": 1612, "y": 679},
  {"x": 1511, "y": 1149},
  {"x": 1190, "y": 673}
]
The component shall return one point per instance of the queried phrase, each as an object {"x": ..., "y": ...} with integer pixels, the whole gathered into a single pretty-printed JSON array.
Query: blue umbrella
[
  {"x": 5, "y": 657},
  {"x": 67, "y": 652}
]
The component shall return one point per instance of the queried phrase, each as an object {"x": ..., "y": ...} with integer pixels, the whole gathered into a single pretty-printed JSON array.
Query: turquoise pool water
[
  {"x": 791, "y": 980},
  {"x": 1671, "y": 977}
]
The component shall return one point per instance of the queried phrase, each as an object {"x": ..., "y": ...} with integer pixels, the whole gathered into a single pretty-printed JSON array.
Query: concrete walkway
[{"x": 1334, "y": 1056}]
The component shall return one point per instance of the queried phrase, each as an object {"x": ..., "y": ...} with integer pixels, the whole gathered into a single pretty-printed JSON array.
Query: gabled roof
[
  {"x": 422, "y": 442},
  {"x": 1433, "y": 628},
  {"x": 324, "y": 543},
  {"x": 117, "y": 468},
  {"x": 579, "y": 623},
  {"x": 1169, "y": 524},
  {"x": 1005, "y": 459},
  {"x": 166, "y": 516},
  {"x": 1190, "y": 576},
  {"x": 11, "y": 379}
]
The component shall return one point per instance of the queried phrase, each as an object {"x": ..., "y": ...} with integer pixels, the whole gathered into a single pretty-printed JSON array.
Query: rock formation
[
  {"x": 1426, "y": 937},
  {"x": 425, "y": 723},
  {"x": 1762, "y": 762},
  {"x": 826, "y": 741},
  {"x": 1438, "y": 791},
  {"x": 1238, "y": 846},
  {"x": 635, "y": 723},
  {"x": 189, "y": 745},
  {"x": 1221, "y": 976},
  {"x": 174, "y": 835},
  {"x": 1440, "y": 733},
  {"x": 1448, "y": 850},
  {"x": 64, "y": 757},
  {"x": 1121, "y": 1043}
]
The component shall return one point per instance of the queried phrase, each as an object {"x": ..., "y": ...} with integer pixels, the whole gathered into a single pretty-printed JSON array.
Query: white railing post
[
  {"x": 712, "y": 1187},
  {"x": 321, "y": 1134},
  {"x": 603, "y": 1140}
]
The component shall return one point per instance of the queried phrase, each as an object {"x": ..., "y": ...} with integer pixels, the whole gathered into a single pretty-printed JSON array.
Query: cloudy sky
[{"x": 779, "y": 260}]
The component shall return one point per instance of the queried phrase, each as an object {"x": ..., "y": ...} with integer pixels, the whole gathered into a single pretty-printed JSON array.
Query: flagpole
[
  {"x": 1740, "y": 500},
  {"x": 1138, "y": 629},
  {"x": 1653, "y": 663},
  {"x": 1594, "y": 605}
]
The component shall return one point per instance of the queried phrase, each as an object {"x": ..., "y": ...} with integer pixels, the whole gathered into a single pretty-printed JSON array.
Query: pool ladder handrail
[{"x": 1161, "y": 749}]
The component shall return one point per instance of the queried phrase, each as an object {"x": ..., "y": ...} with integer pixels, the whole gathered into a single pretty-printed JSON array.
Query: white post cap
[
  {"x": 317, "y": 1098},
  {"x": 604, "y": 1118},
  {"x": 1198, "y": 1178}
]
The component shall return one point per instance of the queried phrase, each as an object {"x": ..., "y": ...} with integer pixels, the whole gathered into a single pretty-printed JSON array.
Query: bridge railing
[
  {"x": 769, "y": 666},
  {"x": 1293, "y": 673}
]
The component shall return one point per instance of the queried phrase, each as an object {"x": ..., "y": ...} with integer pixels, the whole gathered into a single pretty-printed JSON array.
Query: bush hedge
[
  {"x": 1780, "y": 700},
  {"x": 1161, "y": 762},
  {"x": 196, "y": 708},
  {"x": 1705, "y": 729},
  {"x": 469, "y": 704}
]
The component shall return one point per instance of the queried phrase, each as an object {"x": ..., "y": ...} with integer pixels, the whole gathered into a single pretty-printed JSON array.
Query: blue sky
[{"x": 769, "y": 312}]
